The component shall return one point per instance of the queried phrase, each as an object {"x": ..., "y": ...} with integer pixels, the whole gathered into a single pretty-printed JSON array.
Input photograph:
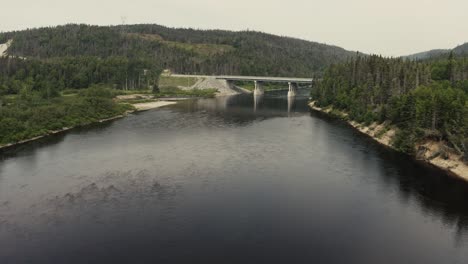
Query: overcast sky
[{"x": 388, "y": 27}]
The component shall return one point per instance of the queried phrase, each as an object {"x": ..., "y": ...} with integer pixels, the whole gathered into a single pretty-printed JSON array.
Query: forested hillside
[
  {"x": 436, "y": 53},
  {"x": 181, "y": 50},
  {"x": 37, "y": 97},
  {"x": 67, "y": 75},
  {"x": 57, "y": 74},
  {"x": 461, "y": 50},
  {"x": 424, "y": 100}
]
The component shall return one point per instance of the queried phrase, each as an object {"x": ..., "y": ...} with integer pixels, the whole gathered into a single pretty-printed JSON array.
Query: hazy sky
[{"x": 388, "y": 27}]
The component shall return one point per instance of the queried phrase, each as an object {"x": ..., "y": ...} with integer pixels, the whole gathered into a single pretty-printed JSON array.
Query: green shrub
[
  {"x": 404, "y": 141},
  {"x": 23, "y": 119}
]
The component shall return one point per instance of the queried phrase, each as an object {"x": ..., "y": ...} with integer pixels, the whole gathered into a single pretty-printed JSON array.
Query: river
[{"x": 227, "y": 180}]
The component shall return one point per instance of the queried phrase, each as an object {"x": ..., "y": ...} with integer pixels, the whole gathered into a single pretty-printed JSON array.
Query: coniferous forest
[
  {"x": 66, "y": 76},
  {"x": 423, "y": 99},
  {"x": 38, "y": 96},
  {"x": 187, "y": 51},
  {"x": 244, "y": 132}
]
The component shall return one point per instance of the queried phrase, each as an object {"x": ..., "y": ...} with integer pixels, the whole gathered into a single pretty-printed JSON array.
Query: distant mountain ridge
[
  {"x": 427, "y": 54},
  {"x": 183, "y": 50},
  {"x": 461, "y": 50}
]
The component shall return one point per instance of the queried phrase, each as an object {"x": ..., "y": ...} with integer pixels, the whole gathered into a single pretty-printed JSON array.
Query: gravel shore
[{"x": 152, "y": 105}]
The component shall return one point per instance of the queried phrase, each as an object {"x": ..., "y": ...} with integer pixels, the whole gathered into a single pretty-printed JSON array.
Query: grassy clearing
[
  {"x": 115, "y": 92},
  {"x": 206, "y": 50},
  {"x": 203, "y": 49},
  {"x": 128, "y": 92},
  {"x": 176, "y": 92},
  {"x": 137, "y": 101},
  {"x": 266, "y": 86}
]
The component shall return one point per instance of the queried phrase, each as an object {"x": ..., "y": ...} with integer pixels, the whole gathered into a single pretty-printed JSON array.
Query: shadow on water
[
  {"x": 155, "y": 214},
  {"x": 238, "y": 109},
  {"x": 30, "y": 148},
  {"x": 435, "y": 191},
  {"x": 243, "y": 109}
]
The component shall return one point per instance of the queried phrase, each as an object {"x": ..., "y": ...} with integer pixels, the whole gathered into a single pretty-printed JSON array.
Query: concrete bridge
[
  {"x": 259, "y": 80},
  {"x": 224, "y": 83}
]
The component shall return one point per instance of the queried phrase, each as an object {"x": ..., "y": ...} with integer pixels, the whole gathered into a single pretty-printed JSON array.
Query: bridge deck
[{"x": 265, "y": 79}]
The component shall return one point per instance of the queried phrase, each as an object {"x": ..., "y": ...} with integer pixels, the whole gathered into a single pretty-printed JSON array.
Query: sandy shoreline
[
  {"x": 138, "y": 107},
  {"x": 428, "y": 151},
  {"x": 152, "y": 105}
]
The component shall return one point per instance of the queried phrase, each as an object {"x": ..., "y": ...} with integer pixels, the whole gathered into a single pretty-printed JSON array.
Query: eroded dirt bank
[{"x": 430, "y": 151}]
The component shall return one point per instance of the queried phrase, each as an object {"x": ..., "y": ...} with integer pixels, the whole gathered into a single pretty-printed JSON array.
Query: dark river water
[{"x": 227, "y": 180}]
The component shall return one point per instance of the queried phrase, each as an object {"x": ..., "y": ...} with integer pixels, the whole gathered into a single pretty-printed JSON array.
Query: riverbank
[
  {"x": 432, "y": 152},
  {"x": 207, "y": 86},
  {"x": 138, "y": 107},
  {"x": 151, "y": 105}
]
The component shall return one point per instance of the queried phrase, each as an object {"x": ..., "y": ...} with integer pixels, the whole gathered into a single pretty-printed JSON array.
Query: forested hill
[
  {"x": 423, "y": 100},
  {"x": 461, "y": 51},
  {"x": 428, "y": 54},
  {"x": 181, "y": 50}
]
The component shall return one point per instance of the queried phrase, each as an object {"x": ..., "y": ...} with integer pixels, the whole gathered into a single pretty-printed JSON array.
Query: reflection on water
[
  {"x": 238, "y": 179},
  {"x": 291, "y": 100},
  {"x": 258, "y": 98}
]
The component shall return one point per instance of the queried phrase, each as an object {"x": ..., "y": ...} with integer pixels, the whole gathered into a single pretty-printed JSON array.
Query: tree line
[
  {"x": 39, "y": 96},
  {"x": 181, "y": 50},
  {"x": 424, "y": 99},
  {"x": 46, "y": 67},
  {"x": 51, "y": 76}
]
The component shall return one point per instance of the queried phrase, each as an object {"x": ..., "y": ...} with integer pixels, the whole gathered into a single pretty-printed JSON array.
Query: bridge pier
[
  {"x": 292, "y": 89},
  {"x": 259, "y": 80},
  {"x": 230, "y": 84},
  {"x": 259, "y": 88}
]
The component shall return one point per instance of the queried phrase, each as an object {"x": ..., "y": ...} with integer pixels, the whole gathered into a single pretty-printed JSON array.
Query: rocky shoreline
[{"x": 431, "y": 152}]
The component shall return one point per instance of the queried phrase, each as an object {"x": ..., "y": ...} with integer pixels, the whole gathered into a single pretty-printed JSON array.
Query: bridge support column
[
  {"x": 230, "y": 83},
  {"x": 259, "y": 88},
  {"x": 292, "y": 89}
]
